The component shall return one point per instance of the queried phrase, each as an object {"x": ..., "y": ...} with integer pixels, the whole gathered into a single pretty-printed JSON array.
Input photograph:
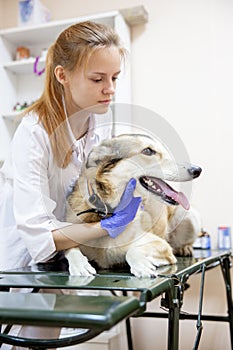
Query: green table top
[
  {"x": 65, "y": 310},
  {"x": 42, "y": 276}
]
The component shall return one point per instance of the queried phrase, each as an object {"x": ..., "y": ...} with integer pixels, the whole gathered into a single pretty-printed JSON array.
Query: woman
[{"x": 52, "y": 141}]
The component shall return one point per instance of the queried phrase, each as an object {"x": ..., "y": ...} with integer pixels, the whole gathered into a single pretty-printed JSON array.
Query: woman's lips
[{"x": 105, "y": 102}]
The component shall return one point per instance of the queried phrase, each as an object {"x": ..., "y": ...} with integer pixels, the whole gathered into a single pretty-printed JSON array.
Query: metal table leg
[
  {"x": 128, "y": 329},
  {"x": 225, "y": 265},
  {"x": 172, "y": 302}
]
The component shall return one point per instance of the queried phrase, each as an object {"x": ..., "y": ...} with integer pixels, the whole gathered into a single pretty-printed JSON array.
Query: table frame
[
  {"x": 173, "y": 302},
  {"x": 171, "y": 286}
]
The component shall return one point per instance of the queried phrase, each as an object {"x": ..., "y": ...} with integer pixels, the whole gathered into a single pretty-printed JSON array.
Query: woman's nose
[{"x": 109, "y": 88}]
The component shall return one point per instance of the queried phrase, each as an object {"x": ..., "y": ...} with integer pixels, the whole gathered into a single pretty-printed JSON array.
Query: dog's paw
[
  {"x": 162, "y": 262},
  {"x": 143, "y": 268},
  {"x": 145, "y": 259},
  {"x": 78, "y": 263},
  {"x": 149, "y": 267},
  {"x": 183, "y": 251}
]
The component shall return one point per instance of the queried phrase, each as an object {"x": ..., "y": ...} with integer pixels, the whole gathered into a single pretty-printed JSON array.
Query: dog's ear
[
  {"x": 103, "y": 153},
  {"x": 107, "y": 164},
  {"x": 102, "y": 179}
]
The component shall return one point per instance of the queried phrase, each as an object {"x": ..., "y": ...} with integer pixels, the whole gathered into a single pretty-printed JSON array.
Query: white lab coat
[{"x": 33, "y": 190}]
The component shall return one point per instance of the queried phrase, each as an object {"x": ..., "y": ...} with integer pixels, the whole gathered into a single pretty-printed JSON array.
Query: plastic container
[
  {"x": 32, "y": 12},
  {"x": 224, "y": 237},
  {"x": 203, "y": 240}
]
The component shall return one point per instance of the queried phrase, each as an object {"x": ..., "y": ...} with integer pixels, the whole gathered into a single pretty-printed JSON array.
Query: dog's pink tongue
[
  {"x": 179, "y": 197},
  {"x": 182, "y": 200}
]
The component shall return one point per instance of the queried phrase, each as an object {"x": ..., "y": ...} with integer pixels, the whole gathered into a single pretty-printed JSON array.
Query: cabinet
[{"x": 20, "y": 84}]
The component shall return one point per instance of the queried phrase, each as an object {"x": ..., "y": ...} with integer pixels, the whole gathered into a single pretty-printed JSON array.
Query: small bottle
[
  {"x": 205, "y": 240},
  {"x": 197, "y": 244},
  {"x": 224, "y": 237},
  {"x": 202, "y": 241}
]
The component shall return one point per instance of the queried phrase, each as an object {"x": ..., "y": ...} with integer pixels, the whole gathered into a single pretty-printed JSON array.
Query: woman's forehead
[{"x": 104, "y": 58}]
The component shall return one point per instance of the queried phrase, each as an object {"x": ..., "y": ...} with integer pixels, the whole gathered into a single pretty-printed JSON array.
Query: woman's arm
[{"x": 73, "y": 235}]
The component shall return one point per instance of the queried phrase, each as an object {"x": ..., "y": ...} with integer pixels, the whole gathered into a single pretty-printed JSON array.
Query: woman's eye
[
  {"x": 97, "y": 80},
  {"x": 148, "y": 151}
]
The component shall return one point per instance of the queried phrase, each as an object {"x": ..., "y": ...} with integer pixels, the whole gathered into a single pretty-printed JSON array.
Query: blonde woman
[{"x": 51, "y": 143}]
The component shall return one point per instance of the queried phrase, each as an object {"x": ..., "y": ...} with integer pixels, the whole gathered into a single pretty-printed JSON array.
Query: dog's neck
[
  {"x": 97, "y": 204},
  {"x": 95, "y": 200}
]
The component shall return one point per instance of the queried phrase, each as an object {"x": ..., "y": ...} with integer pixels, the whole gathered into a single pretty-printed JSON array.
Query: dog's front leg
[
  {"x": 148, "y": 254},
  {"x": 78, "y": 263}
]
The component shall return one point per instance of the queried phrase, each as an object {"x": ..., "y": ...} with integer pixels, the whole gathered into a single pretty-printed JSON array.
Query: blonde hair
[{"x": 73, "y": 47}]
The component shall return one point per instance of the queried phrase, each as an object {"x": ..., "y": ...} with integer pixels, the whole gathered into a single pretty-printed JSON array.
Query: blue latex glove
[{"x": 124, "y": 213}]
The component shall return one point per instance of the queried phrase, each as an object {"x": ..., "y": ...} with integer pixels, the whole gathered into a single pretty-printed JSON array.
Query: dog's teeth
[
  {"x": 149, "y": 182},
  {"x": 153, "y": 185}
]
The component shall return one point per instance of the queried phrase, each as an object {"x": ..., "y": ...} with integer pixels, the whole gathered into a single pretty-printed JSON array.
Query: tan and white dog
[{"x": 165, "y": 226}]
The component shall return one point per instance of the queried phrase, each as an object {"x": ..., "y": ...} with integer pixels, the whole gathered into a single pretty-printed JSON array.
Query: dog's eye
[{"x": 148, "y": 151}]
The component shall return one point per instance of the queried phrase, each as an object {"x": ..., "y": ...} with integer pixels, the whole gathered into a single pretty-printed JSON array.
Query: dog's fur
[{"x": 160, "y": 230}]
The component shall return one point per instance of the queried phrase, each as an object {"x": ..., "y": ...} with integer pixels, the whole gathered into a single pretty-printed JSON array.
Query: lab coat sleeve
[{"x": 33, "y": 207}]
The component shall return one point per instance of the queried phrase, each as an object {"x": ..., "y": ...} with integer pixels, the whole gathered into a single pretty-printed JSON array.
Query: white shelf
[
  {"x": 25, "y": 66},
  {"x": 13, "y": 116},
  {"x": 33, "y": 35},
  {"x": 42, "y": 35}
]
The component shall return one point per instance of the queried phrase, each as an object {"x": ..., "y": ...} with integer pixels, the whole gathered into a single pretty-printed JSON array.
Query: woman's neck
[
  {"x": 79, "y": 125},
  {"x": 78, "y": 119}
]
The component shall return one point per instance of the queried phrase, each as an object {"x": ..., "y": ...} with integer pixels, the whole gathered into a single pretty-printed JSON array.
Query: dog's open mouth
[{"x": 164, "y": 191}]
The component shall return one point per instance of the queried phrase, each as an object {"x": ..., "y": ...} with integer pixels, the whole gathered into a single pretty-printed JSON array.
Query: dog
[{"x": 165, "y": 225}]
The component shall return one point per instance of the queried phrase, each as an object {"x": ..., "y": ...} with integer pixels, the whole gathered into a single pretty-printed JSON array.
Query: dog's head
[{"x": 111, "y": 164}]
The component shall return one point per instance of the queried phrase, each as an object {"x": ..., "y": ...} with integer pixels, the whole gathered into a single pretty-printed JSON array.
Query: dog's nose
[{"x": 194, "y": 171}]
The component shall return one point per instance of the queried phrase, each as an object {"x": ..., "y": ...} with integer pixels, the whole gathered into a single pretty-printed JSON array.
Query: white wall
[
  {"x": 183, "y": 70},
  {"x": 1, "y": 13},
  {"x": 182, "y": 67}
]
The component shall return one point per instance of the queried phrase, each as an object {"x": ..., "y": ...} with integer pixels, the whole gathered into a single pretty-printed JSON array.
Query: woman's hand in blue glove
[{"x": 124, "y": 213}]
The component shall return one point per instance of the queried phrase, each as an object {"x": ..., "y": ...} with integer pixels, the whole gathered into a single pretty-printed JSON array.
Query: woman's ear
[{"x": 60, "y": 74}]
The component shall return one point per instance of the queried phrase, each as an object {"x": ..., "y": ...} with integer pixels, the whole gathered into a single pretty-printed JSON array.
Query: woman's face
[{"x": 93, "y": 87}]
